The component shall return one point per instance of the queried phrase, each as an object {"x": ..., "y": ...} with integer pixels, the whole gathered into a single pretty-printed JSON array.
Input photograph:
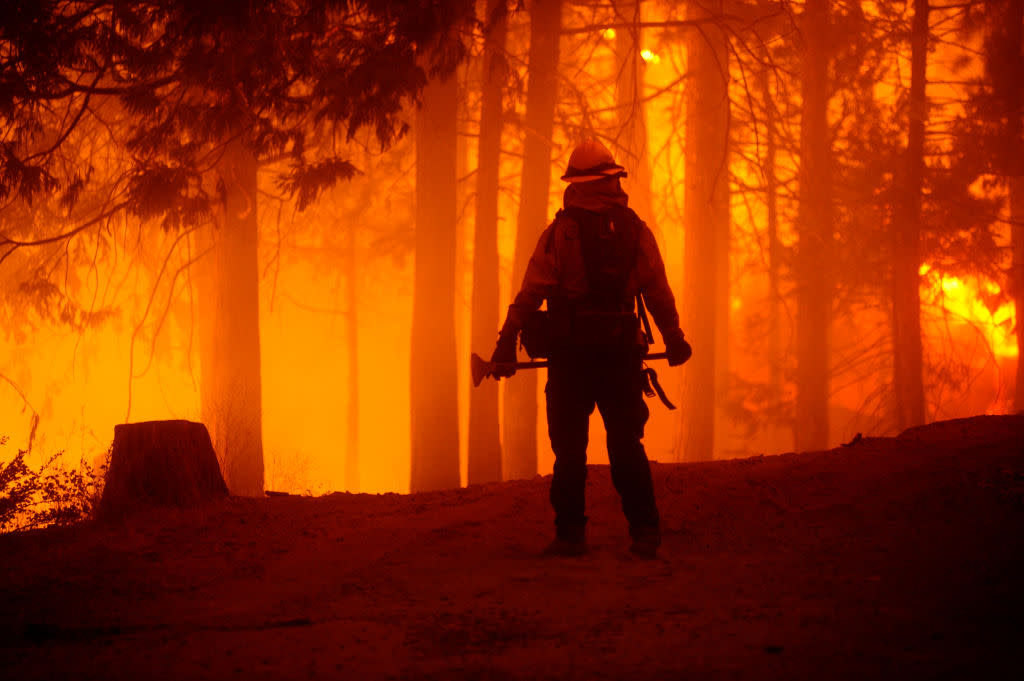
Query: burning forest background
[{"x": 293, "y": 221}]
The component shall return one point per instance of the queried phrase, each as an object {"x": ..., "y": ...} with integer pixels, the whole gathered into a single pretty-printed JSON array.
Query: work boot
[
  {"x": 646, "y": 541},
  {"x": 568, "y": 542}
]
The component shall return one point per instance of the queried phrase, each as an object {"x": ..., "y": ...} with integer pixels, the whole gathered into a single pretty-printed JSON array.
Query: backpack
[
  {"x": 603, "y": 319},
  {"x": 609, "y": 243}
]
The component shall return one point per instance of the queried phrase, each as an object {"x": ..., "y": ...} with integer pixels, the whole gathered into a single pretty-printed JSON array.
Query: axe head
[{"x": 479, "y": 368}]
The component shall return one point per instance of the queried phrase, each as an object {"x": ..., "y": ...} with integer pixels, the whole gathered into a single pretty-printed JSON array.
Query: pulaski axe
[{"x": 481, "y": 368}]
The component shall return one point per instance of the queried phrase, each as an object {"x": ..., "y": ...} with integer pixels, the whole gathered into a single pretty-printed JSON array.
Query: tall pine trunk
[
  {"x": 1015, "y": 135},
  {"x": 520, "y": 423},
  {"x": 1017, "y": 274},
  {"x": 776, "y": 360},
  {"x": 352, "y": 345},
  {"x": 434, "y": 387},
  {"x": 906, "y": 232},
  {"x": 632, "y": 136},
  {"x": 814, "y": 228},
  {"x": 230, "y": 391},
  {"x": 706, "y": 224},
  {"x": 484, "y": 463}
]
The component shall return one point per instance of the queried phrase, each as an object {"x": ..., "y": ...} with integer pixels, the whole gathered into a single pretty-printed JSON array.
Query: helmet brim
[{"x": 615, "y": 171}]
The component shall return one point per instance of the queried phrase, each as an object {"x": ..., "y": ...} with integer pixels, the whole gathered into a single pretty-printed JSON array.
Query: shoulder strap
[{"x": 626, "y": 217}]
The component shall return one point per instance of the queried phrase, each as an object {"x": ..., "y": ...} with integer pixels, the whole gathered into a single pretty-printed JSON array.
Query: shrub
[{"x": 49, "y": 495}]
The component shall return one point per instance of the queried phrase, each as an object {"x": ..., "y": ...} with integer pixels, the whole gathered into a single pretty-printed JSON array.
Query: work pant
[{"x": 577, "y": 381}]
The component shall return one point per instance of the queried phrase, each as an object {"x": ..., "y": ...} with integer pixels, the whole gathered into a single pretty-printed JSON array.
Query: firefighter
[{"x": 596, "y": 265}]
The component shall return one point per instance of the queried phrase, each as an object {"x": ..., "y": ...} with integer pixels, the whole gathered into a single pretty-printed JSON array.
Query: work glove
[
  {"x": 676, "y": 348},
  {"x": 504, "y": 354}
]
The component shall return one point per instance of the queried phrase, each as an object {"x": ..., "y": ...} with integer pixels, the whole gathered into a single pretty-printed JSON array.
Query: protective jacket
[{"x": 558, "y": 269}]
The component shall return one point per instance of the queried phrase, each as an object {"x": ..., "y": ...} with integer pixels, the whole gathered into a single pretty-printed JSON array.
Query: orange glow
[
  {"x": 77, "y": 383},
  {"x": 964, "y": 301}
]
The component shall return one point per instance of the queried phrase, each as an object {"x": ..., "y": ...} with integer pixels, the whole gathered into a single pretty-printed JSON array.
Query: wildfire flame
[{"x": 968, "y": 301}]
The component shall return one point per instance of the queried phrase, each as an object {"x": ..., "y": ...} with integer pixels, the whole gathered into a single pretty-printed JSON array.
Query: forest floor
[{"x": 893, "y": 558}]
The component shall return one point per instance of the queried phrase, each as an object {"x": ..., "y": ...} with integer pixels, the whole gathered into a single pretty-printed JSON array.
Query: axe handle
[
  {"x": 482, "y": 368},
  {"x": 543, "y": 363}
]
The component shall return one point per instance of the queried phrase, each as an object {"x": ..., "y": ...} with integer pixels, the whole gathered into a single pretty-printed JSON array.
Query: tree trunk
[
  {"x": 160, "y": 463},
  {"x": 434, "y": 388},
  {"x": 1017, "y": 274},
  {"x": 706, "y": 224},
  {"x": 352, "y": 336},
  {"x": 520, "y": 423},
  {"x": 814, "y": 228},
  {"x": 774, "y": 246},
  {"x": 1015, "y": 135},
  {"x": 776, "y": 360},
  {"x": 906, "y": 281},
  {"x": 230, "y": 390},
  {"x": 484, "y": 463},
  {"x": 632, "y": 138}
]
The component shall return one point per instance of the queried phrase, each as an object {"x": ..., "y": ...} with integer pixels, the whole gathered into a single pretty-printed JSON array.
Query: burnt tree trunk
[
  {"x": 812, "y": 267},
  {"x": 434, "y": 384},
  {"x": 520, "y": 426},
  {"x": 352, "y": 346},
  {"x": 776, "y": 358},
  {"x": 906, "y": 263},
  {"x": 706, "y": 225},
  {"x": 1015, "y": 137},
  {"x": 230, "y": 389},
  {"x": 771, "y": 188},
  {"x": 484, "y": 463},
  {"x": 160, "y": 463},
  {"x": 632, "y": 137},
  {"x": 1017, "y": 281}
]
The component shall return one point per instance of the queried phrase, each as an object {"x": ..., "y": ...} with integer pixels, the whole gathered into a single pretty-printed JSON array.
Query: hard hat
[{"x": 591, "y": 160}]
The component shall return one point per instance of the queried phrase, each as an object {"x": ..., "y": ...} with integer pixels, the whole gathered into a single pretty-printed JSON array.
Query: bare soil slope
[{"x": 892, "y": 558}]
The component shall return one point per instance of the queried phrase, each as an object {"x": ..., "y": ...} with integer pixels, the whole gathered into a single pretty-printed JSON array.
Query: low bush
[{"x": 50, "y": 495}]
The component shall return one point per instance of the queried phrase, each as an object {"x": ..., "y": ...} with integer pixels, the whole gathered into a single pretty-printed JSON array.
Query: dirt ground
[{"x": 892, "y": 558}]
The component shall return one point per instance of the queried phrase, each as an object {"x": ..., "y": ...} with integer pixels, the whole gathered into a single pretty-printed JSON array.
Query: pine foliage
[{"x": 284, "y": 76}]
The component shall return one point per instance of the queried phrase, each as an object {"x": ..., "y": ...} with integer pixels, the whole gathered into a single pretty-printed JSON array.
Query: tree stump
[{"x": 160, "y": 463}]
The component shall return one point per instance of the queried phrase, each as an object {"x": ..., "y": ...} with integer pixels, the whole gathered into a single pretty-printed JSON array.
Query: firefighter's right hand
[
  {"x": 677, "y": 349},
  {"x": 504, "y": 356}
]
